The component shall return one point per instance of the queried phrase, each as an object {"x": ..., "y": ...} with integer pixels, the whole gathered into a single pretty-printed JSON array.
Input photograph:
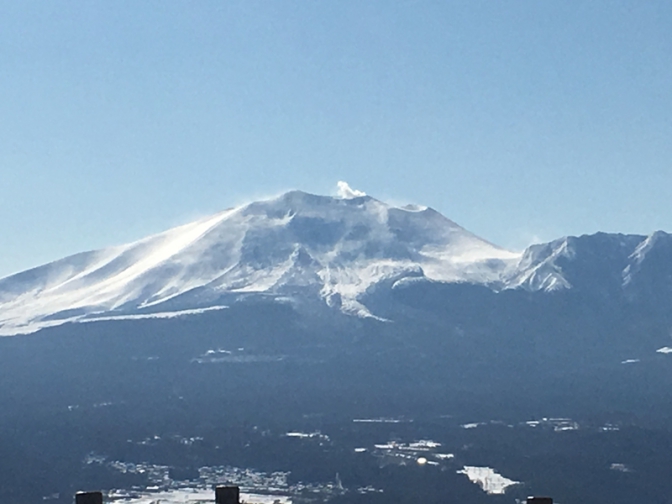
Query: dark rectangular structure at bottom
[
  {"x": 227, "y": 495},
  {"x": 539, "y": 500},
  {"x": 89, "y": 498}
]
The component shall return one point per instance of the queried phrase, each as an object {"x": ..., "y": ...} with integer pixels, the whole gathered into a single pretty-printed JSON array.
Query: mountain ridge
[{"x": 298, "y": 246}]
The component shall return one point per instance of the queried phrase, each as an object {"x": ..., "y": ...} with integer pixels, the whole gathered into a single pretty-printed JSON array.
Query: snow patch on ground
[
  {"x": 488, "y": 479},
  {"x": 156, "y": 315},
  {"x": 308, "y": 435},
  {"x": 194, "y": 496},
  {"x": 381, "y": 420}
]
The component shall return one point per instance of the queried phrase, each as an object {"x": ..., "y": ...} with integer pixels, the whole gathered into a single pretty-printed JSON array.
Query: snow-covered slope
[
  {"x": 602, "y": 263},
  {"x": 297, "y": 246}
]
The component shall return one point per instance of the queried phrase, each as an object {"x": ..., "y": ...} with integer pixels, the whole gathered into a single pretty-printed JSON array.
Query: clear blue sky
[{"x": 520, "y": 120}]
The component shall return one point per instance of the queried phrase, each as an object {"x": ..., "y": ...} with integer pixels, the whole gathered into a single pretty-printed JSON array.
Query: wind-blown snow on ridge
[{"x": 295, "y": 245}]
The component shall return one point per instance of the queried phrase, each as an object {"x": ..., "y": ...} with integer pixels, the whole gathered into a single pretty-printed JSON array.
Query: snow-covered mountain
[
  {"x": 296, "y": 245},
  {"x": 301, "y": 247},
  {"x": 603, "y": 263}
]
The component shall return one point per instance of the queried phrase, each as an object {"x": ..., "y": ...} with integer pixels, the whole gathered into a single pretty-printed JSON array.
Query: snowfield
[
  {"x": 488, "y": 479},
  {"x": 197, "y": 496}
]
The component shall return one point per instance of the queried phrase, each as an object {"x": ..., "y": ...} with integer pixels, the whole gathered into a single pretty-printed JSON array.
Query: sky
[{"x": 522, "y": 121}]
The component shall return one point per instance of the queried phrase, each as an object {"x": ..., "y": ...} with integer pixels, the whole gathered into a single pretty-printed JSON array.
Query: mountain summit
[{"x": 295, "y": 246}]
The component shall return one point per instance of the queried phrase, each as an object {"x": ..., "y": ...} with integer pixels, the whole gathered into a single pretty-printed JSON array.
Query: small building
[
  {"x": 89, "y": 498},
  {"x": 227, "y": 495}
]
